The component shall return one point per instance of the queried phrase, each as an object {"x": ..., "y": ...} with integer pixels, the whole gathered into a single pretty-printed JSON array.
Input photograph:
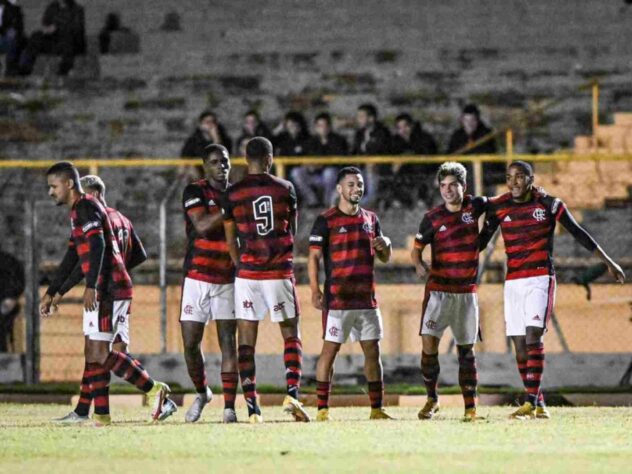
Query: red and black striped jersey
[
  {"x": 453, "y": 237},
  {"x": 348, "y": 255},
  {"x": 264, "y": 209},
  {"x": 128, "y": 241},
  {"x": 89, "y": 217},
  {"x": 207, "y": 258},
  {"x": 527, "y": 229}
]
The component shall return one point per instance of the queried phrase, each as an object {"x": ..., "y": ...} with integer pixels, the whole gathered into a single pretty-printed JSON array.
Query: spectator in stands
[
  {"x": 63, "y": 34},
  {"x": 112, "y": 24},
  {"x": 11, "y": 35},
  {"x": 317, "y": 184},
  {"x": 253, "y": 127},
  {"x": 371, "y": 138},
  {"x": 411, "y": 181},
  {"x": 292, "y": 136},
  {"x": 11, "y": 288},
  {"x": 462, "y": 142}
]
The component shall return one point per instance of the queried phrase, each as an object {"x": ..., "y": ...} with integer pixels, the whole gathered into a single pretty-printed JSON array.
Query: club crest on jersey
[
  {"x": 539, "y": 215},
  {"x": 467, "y": 218},
  {"x": 367, "y": 227}
]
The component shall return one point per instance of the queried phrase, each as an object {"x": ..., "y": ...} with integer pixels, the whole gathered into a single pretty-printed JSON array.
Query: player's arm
[
  {"x": 293, "y": 211},
  {"x": 318, "y": 238},
  {"x": 489, "y": 229},
  {"x": 230, "y": 229},
  {"x": 64, "y": 270},
  {"x": 424, "y": 237},
  {"x": 91, "y": 222},
  {"x": 563, "y": 215},
  {"x": 138, "y": 255},
  {"x": 194, "y": 205},
  {"x": 382, "y": 244}
]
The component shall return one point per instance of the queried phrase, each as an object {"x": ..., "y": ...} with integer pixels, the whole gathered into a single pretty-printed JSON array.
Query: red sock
[
  {"x": 535, "y": 367},
  {"x": 293, "y": 358},
  {"x": 99, "y": 382},
  {"x": 322, "y": 392},
  {"x": 430, "y": 370},
  {"x": 468, "y": 376},
  {"x": 125, "y": 367},
  {"x": 247, "y": 373},
  {"x": 85, "y": 398},
  {"x": 229, "y": 387},
  {"x": 376, "y": 393},
  {"x": 522, "y": 368}
]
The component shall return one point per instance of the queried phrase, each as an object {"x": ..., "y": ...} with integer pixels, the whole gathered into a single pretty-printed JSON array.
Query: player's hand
[
  {"x": 421, "y": 270},
  {"x": 616, "y": 271},
  {"x": 44, "y": 307},
  {"x": 541, "y": 191},
  {"x": 55, "y": 303},
  {"x": 90, "y": 299},
  {"x": 381, "y": 243},
  {"x": 317, "y": 299}
]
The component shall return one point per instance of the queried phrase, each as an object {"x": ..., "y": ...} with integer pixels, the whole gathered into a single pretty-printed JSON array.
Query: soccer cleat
[
  {"x": 470, "y": 415},
  {"x": 295, "y": 408},
  {"x": 195, "y": 410},
  {"x": 229, "y": 415},
  {"x": 158, "y": 393},
  {"x": 542, "y": 413},
  {"x": 101, "y": 420},
  {"x": 525, "y": 412},
  {"x": 323, "y": 414},
  {"x": 168, "y": 408},
  {"x": 71, "y": 418},
  {"x": 379, "y": 414},
  {"x": 429, "y": 410},
  {"x": 255, "y": 419}
]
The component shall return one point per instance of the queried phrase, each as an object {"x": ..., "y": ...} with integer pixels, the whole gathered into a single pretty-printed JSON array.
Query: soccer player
[
  {"x": 450, "y": 300},
  {"x": 133, "y": 254},
  {"x": 107, "y": 296},
  {"x": 527, "y": 221},
  {"x": 208, "y": 288},
  {"x": 347, "y": 238},
  {"x": 261, "y": 212}
]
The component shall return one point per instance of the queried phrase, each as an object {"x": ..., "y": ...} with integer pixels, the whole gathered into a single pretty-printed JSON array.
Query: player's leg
[
  {"x": 192, "y": 334},
  {"x": 375, "y": 378},
  {"x": 324, "y": 377},
  {"x": 534, "y": 342},
  {"x": 82, "y": 410},
  {"x": 247, "y": 340},
  {"x": 293, "y": 360},
  {"x": 468, "y": 380},
  {"x": 98, "y": 378},
  {"x": 430, "y": 370},
  {"x": 226, "y": 333}
]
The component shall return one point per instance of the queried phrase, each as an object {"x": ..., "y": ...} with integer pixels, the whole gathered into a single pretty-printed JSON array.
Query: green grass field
[{"x": 574, "y": 440}]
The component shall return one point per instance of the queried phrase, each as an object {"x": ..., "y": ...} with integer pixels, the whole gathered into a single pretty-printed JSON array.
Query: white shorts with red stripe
[{"x": 528, "y": 302}]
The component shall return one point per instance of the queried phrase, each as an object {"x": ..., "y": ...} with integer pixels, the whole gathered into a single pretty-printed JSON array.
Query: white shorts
[
  {"x": 113, "y": 313},
  {"x": 203, "y": 301},
  {"x": 458, "y": 311},
  {"x": 256, "y": 298},
  {"x": 528, "y": 302},
  {"x": 352, "y": 324}
]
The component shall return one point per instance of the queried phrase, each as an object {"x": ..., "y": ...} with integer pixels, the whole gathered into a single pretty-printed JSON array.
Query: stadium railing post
[{"x": 31, "y": 296}]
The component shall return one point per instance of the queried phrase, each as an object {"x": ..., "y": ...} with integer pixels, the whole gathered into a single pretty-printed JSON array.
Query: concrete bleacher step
[
  {"x": 623, "y": 118},
  {"x": 614, "y": 137}
]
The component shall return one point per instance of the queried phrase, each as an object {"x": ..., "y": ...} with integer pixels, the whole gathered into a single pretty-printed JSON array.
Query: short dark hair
[
  {"x": 207, "y": 113},
  {"x": 67, "y": 170},
  {"x": 472, "y": 109},
  {"x": 370, "y": 109},
  {"x": 214, "y": 148},
  {"x": 452, "y": 168},
  {"x": 405, "y": 116},
  {"x": 326, "y": 116},
  {"x": 347, "y": 170},
  {"x": 522, "y": 165},
  {"x": 254, "y": 113},
  {"x": 258, "y": 148}
]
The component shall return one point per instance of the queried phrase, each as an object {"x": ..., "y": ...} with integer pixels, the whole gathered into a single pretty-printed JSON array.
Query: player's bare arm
[
  {"x": 205, "y": 222},
  {"x": 313, "y": 267},
  {"x": 230, "y": 230},
  {"x": 383, "y": 248},
  {"x": 421, "y": 267}
]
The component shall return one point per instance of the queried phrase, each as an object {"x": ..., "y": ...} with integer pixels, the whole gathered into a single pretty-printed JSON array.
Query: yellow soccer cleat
[
  {"x": 471, "y": 416},
  {"x": 542, "y": 413},
  {"x": 255, "y": 419},
  {"x": 429, "y": 410},
  {"x": 101, "y": 420},
  {"x": 323, "y": 415},
  {"x": 295, "y": 408},
  {"x": 379, "y": 414},
  {"x": 525, "y": 412},
  {"x": 156, "y": 396}
]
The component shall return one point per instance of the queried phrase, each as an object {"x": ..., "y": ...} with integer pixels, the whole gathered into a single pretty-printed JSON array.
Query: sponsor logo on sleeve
[
  {"x": 315, "y": 238},
  {"x": 90, "y": 225},
  {"x": 419, "y": 236},
  {"x": 191, "y": 201},
  {"x": 556, "y": 206}
]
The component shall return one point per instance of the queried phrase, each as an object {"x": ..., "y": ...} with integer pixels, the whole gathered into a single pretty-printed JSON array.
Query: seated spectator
[
  {"x": 208, "y": 131},
  {"x": 472, "y": 129},
  {"x": 291, "y": 136},
  {"x": 411, "y": 182},
  {"x": 112, "y": 24},
  {"x": 11, "y": 35},
  {"x": 11, "y": 288},
  {"x": 371, "y": 138},
  {"x": 314, "y": 183},
  {"x": 63, "y": 34},
  {"x": 253, "y": 127}
]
